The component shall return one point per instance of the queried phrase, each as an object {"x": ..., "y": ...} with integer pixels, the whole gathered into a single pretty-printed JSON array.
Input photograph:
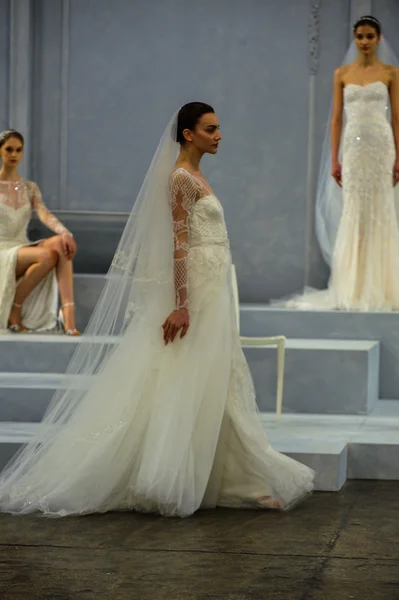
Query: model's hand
[
  {"x": 336, "y": 172},
  {"x": 396, "y": 172},
  {"x": 178, "y": 319},
  {"x": 68, "y": 245}
]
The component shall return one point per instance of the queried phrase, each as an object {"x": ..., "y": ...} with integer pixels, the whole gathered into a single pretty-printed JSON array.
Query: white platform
[
  {"x": 332, "y": 366},
  {"x": 322, "y": 376},
  {"x": 341, "y": 447},
  {"x": 259, "y": 319}
]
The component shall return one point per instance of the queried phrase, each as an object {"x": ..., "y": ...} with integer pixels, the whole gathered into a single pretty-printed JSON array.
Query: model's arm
[
  {"x": 394, "y": 98},
  {"x": 182, "y": 193},
  {"x": 336, "y": 126}
]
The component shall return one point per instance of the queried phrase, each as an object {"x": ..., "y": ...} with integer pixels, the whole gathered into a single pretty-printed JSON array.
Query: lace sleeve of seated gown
[
  {"x": 182, "y": 193},
  {"x": 43, "y": 212}
]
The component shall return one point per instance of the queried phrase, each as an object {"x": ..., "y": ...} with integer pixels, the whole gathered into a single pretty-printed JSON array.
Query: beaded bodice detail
[
  {"x": 366, "y": 102},
  {"x": 366, "y": 111}
]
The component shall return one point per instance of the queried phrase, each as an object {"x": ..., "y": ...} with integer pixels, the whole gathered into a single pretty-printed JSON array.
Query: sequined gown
[
  {"x": 365, "y": 263},
  {"x": 167, "y": 429},
  {"x": 365, "y": 270},
  {"x": 17, "y": 200}
]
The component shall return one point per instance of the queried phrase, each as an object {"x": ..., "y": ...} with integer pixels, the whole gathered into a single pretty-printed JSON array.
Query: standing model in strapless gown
[
  {"x": 167, "y": 428},
  {"x": 365, "y": 263},
  {"x": 365, "y": 269}
]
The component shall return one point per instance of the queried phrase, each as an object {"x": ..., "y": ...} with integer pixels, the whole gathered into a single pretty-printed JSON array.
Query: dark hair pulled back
[
  {"x": 188, "y": 117},
  {"x": 368, "y": 20},
  {"x": 10, "y": 133}
]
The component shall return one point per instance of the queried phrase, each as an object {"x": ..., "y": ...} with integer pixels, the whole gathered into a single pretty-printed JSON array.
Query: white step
[
  {"x": 337, "y": 447},
  {"x": 260, "y": 319},
  {"x": 341, "y": 447},
  {"x": 322, "y": 376}
]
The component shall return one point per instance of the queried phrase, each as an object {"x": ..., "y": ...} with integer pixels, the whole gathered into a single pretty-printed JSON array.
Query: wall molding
[
  {"x": 64, "y": 105},
  {"x": 314, "y": 37},
  {"x": 313, "y": 65},
  {"x": 20, "y": 84}
]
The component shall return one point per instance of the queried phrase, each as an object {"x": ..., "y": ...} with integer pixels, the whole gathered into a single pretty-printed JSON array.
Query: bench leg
[{"x": 280, "y": 377}]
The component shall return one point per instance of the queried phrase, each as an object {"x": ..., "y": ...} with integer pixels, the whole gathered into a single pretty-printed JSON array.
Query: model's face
[
  {"x": 11, "y": 152},
  {"x": 206, "y": 135},
  {"x": 367, "y": 40}
]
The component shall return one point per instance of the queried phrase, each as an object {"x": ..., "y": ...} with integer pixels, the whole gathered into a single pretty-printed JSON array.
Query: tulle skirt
[{"x": 165, "y": 429}]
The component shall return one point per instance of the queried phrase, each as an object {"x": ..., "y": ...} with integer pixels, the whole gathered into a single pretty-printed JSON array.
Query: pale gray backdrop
[{"x": 97, "y": 82}]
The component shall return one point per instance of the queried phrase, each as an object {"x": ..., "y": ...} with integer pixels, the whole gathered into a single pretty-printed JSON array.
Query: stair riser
[
  {"x": 25, "y": 355},
  {"x": 374, "y": 461},
  {"x": 333, "y": 325},
  {"x": 317, "y": 381},
  {"x": 328, "y": 381}
]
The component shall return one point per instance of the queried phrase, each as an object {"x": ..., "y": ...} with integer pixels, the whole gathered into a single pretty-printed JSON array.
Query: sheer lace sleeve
[
  {"x": 43, "y": 212},
  {"x": 183, "y": 193}
]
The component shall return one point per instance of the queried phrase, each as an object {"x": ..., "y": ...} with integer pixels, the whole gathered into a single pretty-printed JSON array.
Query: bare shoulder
[
  {"x": 392, "y": 72},
  {"x": 341, "y": 73}
]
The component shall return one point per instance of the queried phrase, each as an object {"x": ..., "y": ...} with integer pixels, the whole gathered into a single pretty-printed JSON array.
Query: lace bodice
[
  {"x": 17, "y": 199},
  {"x": 198, "y": 221},
  {"x": 366, "y": 103}
]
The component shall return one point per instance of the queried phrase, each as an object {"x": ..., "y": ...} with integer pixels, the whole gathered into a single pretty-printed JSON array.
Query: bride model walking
[{"x": 165, "y": 419}]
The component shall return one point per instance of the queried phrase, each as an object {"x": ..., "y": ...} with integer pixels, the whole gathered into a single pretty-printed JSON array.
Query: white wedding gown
[
  {"x": 17, "y": 199},
  {"x": 365, "y": 264},
  {"x": 171, "y": 428}
]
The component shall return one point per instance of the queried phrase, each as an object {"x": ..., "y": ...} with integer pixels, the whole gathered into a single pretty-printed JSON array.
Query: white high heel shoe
[
  {"x": 72, "y": 332},
  {"x": 14, "y": 327}
]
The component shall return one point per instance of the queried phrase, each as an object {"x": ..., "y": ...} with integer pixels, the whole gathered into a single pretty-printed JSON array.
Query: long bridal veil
[
  {"x": 138, "y": 294},
  {"x": 329, "y": 194}
]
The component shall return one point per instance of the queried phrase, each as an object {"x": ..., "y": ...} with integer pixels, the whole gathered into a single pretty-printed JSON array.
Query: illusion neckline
[
  {"x": 367, "y": 84},
  {"x": 209, "y": 192}
]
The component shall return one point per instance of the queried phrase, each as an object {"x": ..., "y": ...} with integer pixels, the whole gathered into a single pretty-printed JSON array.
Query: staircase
[{"x": 338, "y": 366}]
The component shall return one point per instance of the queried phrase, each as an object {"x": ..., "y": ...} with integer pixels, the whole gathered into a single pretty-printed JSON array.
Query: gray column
[
  {"x": 20, "y": 88},
  {"x": 65, "y": 33},
  {"x": 313, "y": 62}
]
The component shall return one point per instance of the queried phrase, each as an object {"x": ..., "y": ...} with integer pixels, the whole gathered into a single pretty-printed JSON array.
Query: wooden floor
[{"x": 332, "y": 547}]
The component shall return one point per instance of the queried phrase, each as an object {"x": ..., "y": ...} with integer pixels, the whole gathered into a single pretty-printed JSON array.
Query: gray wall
[
  {"x": 388, "y": 13},
  {"x": 107, "y": 76},
  {"x": 4, "y": 62},
  {"x": 334, "y": 40}
]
